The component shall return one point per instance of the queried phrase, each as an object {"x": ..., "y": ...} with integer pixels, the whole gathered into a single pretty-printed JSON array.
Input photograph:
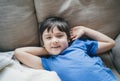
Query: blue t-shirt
[{"x": 79, "y": 62}]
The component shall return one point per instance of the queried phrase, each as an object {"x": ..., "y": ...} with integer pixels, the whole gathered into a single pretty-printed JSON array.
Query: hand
[{"x": 77, "y": 32}]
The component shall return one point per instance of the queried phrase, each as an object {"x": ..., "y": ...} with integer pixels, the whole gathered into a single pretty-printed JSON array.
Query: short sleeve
[
  {"x": 88, "y": 46},
  {"x": 92, "y": 47},
  {"x": 45, "y": 63}
]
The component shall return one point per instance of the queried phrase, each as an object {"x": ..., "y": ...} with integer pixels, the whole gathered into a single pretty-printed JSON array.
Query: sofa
[{"x": 19, "y": 23}]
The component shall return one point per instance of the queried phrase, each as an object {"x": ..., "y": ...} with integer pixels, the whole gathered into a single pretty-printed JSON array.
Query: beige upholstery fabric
[
  {"x": 102, "y": 15},
  {"x": 116, "y": 54},
  {"x": 18, "y": 26}
]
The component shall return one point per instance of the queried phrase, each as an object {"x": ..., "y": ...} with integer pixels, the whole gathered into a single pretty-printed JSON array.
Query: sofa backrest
[
  {"x": 18, "y": 24},
  {"x": 19, "y": 18},
  {"x": 102, "y": 15}
]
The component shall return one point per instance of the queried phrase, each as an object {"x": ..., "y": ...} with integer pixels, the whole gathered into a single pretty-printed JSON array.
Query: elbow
[
  {"x": 112, "y": 43},
  {"x": 17, "y": 52}
]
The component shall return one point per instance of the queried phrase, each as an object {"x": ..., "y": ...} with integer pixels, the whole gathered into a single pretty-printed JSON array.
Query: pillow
[
  {"x": 5, "y": 59},
  {"x": 19, "y": 72},
  {"x": 18, "y": 24},
  {"x": 116, "y": 54},
  {"x": 101, "y": 15}
]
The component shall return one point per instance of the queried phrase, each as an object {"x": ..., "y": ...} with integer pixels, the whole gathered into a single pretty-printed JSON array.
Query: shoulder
[
  {"x": 81, "y": 43},
  {"x": 78, "y": 41}
]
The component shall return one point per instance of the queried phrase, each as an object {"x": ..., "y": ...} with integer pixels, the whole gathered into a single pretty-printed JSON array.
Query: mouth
[{"x": 56, "y": 47}]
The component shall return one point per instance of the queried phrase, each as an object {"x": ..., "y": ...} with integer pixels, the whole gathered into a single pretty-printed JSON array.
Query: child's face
[{"x": 55, "y": 41}]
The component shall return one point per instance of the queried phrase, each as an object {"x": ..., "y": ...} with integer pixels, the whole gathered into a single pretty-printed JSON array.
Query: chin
[{"x": 55, "y": 53}]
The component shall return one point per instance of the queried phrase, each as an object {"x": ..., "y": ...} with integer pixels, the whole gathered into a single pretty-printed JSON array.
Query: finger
[
  {"x": 74, "y": 37},
  {"x": 72, "y": 29}
]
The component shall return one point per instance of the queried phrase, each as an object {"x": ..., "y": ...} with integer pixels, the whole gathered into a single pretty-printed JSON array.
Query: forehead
[{"x": 53, "y": 30}]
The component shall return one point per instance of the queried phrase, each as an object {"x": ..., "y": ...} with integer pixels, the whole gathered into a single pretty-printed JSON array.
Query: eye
[
  {"x": 60, "y": 36},
  {"x": 48, "y": 37}
]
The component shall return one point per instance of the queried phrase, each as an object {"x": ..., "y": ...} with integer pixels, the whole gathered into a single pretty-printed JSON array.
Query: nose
[{"x": 54, "y": 40}]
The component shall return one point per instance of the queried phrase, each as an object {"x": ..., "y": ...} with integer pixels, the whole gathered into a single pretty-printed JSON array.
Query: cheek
[
  {"x": 45, "y": 43},
  {"x": 44, "y": 40},
  {"x": 65, "y": 43}
]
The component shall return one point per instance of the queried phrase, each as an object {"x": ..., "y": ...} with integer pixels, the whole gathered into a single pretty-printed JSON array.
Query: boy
[{"x": 73, "y": 61}]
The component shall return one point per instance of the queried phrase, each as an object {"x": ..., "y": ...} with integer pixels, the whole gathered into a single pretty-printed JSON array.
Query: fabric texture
[
  {"x": 101, "y": 15},
  {"x": 5, "y": 59},
  {"x": 79, "y": 62},
  {"x": 18, "y": 72},
  {"x": 116, "y": 54},
  {"x": 18, "y": 24}
]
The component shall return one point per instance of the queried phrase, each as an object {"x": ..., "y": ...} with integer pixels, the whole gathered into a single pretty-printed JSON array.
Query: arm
[
  {"x": 29, "y": 56},
  {"x": 105, "y": 43}
]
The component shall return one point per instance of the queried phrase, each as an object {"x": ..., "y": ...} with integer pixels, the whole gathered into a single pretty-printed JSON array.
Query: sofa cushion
[
  {"x": 101, "y": 15},
  {"x": 18, "y": 26},
  {"x": 116, "y": 54}
]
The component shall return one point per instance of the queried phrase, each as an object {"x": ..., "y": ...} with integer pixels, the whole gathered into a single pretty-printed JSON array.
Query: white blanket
[{"x": 12, "y": 70}]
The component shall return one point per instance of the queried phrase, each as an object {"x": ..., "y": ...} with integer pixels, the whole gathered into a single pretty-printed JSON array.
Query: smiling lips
[{"x": 56, "y": 47}]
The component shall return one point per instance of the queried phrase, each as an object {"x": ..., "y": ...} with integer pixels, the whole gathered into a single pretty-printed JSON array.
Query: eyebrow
[{"x": 58, "y": 33}]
